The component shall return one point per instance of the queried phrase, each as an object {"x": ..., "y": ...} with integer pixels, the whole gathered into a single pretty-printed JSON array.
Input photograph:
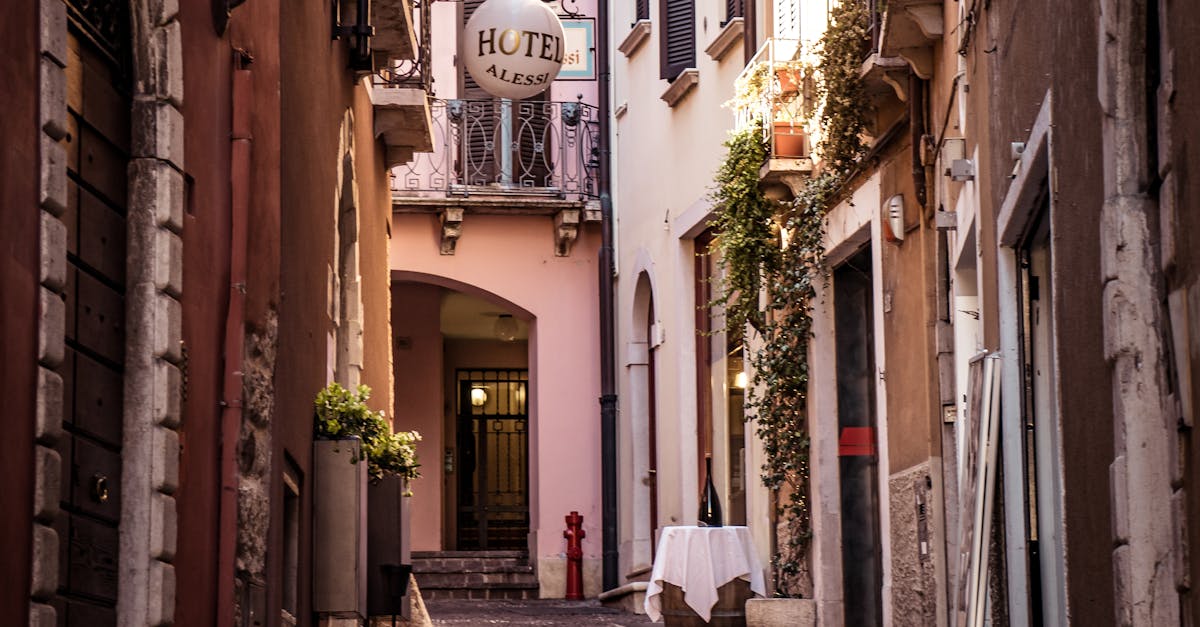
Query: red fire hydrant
[{"x": 574, "y": 535}]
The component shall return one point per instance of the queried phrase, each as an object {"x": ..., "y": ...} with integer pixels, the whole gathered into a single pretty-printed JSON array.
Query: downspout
[
  {"x": 916, "y": 125},
  {"x": 231, "y": 395},
  {"x": 608, "y": 387}
]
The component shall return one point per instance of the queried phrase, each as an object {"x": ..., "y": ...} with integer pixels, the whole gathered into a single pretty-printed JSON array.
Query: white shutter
[{"x": 787, "y": 19}]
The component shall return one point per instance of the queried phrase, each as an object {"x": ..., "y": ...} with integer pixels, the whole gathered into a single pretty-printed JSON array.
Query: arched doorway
[
  {"x": 643, "y": 395},
  {"x": 463, "y": 379}
]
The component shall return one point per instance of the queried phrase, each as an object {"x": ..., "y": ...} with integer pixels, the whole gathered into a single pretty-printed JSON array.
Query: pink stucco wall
[
  {"x": 416, "y": 313},
  {"x": 511, "y": 260}
]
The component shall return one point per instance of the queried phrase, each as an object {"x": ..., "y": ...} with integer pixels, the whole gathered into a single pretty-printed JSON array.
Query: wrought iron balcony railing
[
  {"x": 499, "y": 146},
  {"x": 415, "y": 73},
  {"x": 775, "y": 90}
]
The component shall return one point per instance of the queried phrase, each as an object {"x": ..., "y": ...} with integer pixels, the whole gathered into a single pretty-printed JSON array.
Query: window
[
  {"x": 734, "y": 8},
  {"x": 641, "y": 10},
  {"x": 678, "y": 37}
]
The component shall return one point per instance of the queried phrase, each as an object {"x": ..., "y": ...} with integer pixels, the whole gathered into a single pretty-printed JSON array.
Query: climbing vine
[
  {"x": 844, "y": 107},
  {"x": 745, "y": 226},
  {"x": 754, "y": 264}
]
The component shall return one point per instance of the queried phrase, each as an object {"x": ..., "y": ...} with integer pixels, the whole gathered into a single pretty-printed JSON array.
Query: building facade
[{"x": 204, "y": 245}]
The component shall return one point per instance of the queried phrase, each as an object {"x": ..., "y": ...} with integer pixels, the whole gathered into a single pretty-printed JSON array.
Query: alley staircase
[{"x": 474, "y": 575}]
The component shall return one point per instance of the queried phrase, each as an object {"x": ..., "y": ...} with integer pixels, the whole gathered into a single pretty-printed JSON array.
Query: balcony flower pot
[
  {"x": 789, "y": 141},
  {"x": 788, "y": 79}
]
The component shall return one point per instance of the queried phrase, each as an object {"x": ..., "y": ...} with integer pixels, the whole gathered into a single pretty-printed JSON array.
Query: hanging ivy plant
[
  {"x": 745, "y": 228},
  {"x": 844, "y": 104},
  {"x": 754, "y": 265}
]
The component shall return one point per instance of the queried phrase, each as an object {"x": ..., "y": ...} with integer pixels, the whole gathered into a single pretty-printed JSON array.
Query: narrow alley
[{"x": 742, "y": 313}]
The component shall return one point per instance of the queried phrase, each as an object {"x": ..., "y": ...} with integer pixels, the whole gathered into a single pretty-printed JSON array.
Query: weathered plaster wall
[{"x": 207, "y": 64}]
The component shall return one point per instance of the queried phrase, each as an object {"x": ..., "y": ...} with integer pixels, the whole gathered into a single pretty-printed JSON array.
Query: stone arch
[
  {"x": 529, "y": 317},
  {"x": 641, "y": 393}
]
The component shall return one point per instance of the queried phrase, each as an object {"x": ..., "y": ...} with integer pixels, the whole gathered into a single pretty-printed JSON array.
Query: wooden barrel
[{"x": 730, "y": 610}]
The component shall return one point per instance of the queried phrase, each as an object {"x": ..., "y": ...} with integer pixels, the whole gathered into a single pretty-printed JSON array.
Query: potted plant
[
  {"x": 346, "y": 432},
  {"x": 341, "y": 414}
]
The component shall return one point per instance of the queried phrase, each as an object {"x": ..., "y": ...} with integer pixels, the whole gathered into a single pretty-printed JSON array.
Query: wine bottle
[{"x": 710, "y": 505}]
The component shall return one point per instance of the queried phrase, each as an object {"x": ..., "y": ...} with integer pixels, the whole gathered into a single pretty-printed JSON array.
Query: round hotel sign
[{"x": 513, "y": 48}]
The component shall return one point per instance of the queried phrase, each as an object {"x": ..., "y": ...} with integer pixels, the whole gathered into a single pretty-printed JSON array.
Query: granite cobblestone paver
[{"x": 469, "y": 613}]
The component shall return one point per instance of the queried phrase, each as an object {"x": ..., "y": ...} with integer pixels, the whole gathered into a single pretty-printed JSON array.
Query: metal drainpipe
[
  {"x": 231, "y": 394},
  {"x": 916, "y": 123},
  {"x": 608, "y": 387}
]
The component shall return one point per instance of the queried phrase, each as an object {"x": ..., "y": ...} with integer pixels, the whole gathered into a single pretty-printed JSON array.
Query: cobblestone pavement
[{"x": 532, "y": 612}]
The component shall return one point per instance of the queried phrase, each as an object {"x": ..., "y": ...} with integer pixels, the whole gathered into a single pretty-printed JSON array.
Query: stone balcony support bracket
[
  {"x": 566, "y": 230},
  {"x": 910, "y": 28},
  {"x": 451, "y": 219}
]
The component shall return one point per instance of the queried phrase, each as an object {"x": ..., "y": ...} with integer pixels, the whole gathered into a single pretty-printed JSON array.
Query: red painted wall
[
  {"x": 19, "y": 218},
  {"x": 207, "y": 71}
]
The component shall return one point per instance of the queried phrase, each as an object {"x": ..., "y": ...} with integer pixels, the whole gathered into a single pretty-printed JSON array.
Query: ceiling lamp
[{"x": 506, "y": 328}]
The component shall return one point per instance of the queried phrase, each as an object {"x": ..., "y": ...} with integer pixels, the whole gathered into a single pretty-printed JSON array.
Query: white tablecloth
[{"x": 699, "y": 560}]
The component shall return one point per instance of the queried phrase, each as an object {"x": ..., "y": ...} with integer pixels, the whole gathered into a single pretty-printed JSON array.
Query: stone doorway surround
[{"x": 154, "y": 350}]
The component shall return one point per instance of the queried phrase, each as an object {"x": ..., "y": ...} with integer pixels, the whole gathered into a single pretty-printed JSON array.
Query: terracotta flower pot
[
  {"x": 788, "y": 80},
  {"x": 789, "y": 141}
]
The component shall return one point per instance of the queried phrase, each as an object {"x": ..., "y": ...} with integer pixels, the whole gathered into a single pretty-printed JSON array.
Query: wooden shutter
[
  {"x": 642, "y": 9},
  {"x": 678, "y": 37},
  {"x": 734, "y": 8},
  {"x": 477, "y": 164}
]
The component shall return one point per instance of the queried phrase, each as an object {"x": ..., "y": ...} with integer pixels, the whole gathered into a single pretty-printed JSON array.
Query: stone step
[
  {"x": 463, "y": 593},
  {"x": 471, "y": 562},
  {"x": 476, "y": 580},
  {"x": 475, "y": 574}
]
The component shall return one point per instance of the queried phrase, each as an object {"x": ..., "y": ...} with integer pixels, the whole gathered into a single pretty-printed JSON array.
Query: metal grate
[{"x": 493, "y": 452}]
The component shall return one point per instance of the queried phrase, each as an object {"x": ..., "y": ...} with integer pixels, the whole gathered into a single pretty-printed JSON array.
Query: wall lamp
[
  {"x": 478, "y": 396},
  {"x": 360, "y": 31}
]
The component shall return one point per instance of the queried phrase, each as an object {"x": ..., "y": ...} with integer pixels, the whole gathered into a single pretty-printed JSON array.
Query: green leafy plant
[
  {"x": 745, "y": 228},
  {"x": 340, "y": 413},
  {"x": 844, "y": 104},
  {"x": 768, "y": 283}
]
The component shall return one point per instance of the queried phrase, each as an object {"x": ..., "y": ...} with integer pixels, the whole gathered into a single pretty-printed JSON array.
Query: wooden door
[{"x": 98, "y": 104}]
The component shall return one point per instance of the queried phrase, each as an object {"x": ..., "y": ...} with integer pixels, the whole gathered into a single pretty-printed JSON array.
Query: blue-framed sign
[{"x": 579, "y": 53}]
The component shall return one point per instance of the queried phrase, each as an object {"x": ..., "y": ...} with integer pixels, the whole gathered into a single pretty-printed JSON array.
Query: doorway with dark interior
[{"x": 493, "y": 450}]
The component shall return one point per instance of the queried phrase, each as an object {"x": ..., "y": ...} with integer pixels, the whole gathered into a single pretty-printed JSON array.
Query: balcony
[
  {"x": 400, "y": 90},
  {"x": 776, "y": 88},
  {"x": 910, "y": 28},
  {"x": 505, "y": 157},
  {"x": 505, "y": 154}
]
